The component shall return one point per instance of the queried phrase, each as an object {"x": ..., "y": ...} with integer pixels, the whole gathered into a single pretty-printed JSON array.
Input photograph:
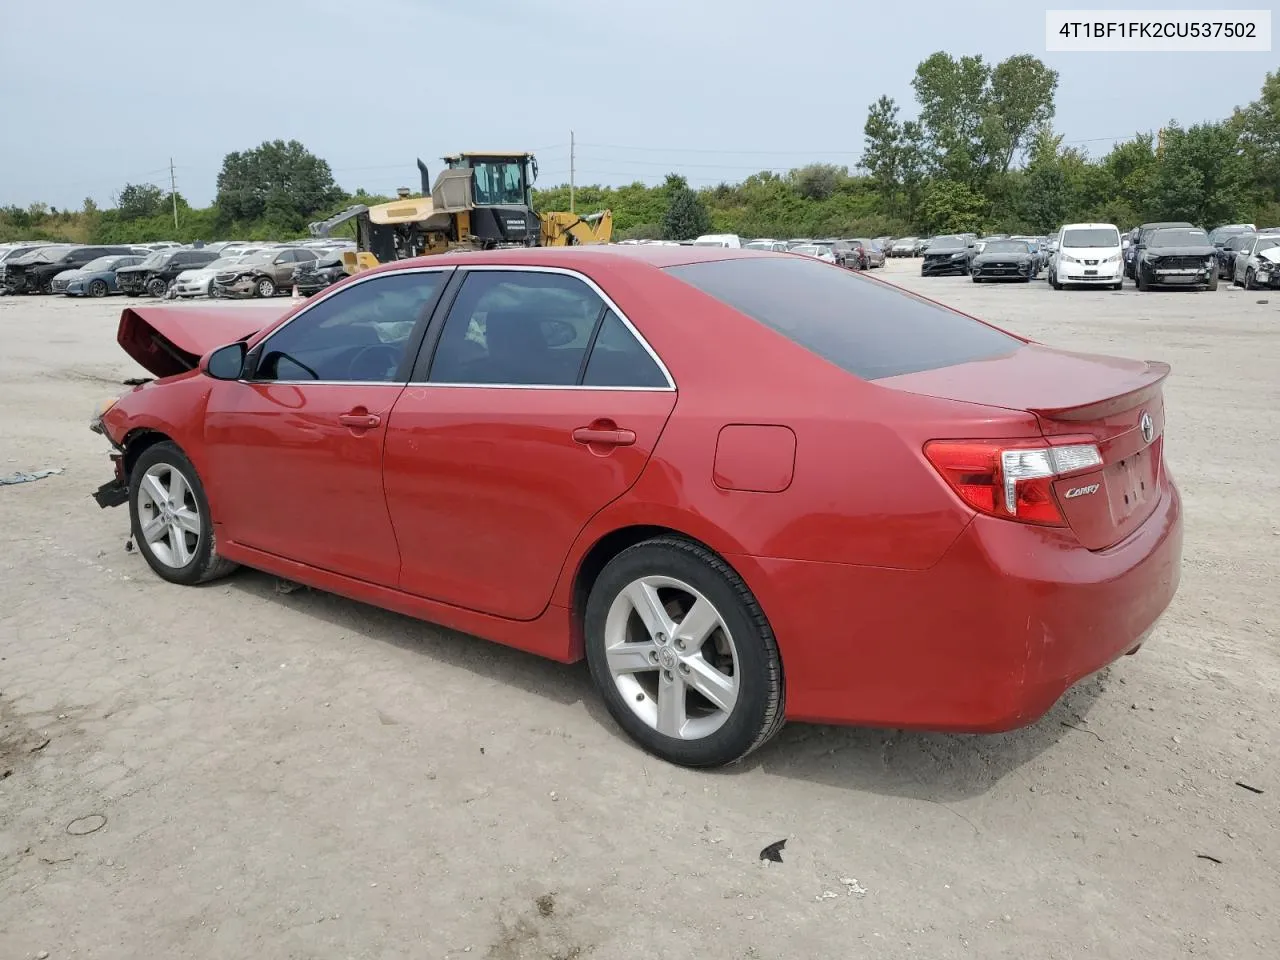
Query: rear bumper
[{"x": 986, "y": 640}]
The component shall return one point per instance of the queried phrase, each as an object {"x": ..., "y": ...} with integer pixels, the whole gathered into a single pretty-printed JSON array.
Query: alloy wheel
[
  {"x": 168, "y": 515},
  {"x": 672, "y": 657}
]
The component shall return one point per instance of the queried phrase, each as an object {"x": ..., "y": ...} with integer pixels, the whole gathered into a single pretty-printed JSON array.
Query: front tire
[
  {"x": 265, "y": 288},
  {"x": 1143, "y": 283},
  {"x": 98, "y": 288},
  {"x": 157, "y": 287},
  {"x": 1213, "y": 282},
  {"x": 170, "y": 519},
  {"x": 682, "y": 654},
  {"x": 1053, "y": 280}
]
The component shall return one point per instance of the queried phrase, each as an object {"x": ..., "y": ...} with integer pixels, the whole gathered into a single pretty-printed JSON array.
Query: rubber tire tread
[
  {"x": 774, "y": 714},
  {"x": 206, "y": 565}
]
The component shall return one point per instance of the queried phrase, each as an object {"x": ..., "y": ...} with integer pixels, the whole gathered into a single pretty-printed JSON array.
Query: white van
[
  {"x": 719, "y": 240},
  {"x": 1088, "y": 253}
]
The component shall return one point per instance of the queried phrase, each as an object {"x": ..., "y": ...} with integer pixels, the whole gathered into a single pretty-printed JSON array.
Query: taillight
[{"x": 1010, "y": 479}]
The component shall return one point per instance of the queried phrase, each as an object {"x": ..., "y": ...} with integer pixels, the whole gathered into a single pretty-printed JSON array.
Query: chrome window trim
[
  {"x": 608, "y": 301},
  {"x": 369, "y": 276}
]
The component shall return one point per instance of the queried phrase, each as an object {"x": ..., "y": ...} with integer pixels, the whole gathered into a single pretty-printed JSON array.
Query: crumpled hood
[
  {"x": 196, "y": 273},
  {"x": 1271, "y": 253},
  {"x": 168, "y": 340}
]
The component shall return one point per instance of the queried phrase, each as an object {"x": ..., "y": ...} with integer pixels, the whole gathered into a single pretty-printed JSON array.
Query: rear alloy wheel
[
  {"x": 98, "y": 288},
  {"x": 265, "y": 288},
  {"x": 683, "y": 655},
  {"x": 169, "y": 515},
  {"x": 156, "y": 287}
]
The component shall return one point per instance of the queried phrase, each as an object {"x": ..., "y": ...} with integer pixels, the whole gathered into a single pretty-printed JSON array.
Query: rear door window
[
  {"x": 618, "y": 359},
  {"x": 863, "y": 326}
]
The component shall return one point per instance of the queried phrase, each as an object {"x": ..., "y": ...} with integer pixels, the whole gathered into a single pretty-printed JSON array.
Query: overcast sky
[{"x": 100, "y": 94}]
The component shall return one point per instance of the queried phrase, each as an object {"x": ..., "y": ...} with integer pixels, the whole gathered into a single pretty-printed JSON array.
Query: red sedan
[{"x": 747, "y": 487}]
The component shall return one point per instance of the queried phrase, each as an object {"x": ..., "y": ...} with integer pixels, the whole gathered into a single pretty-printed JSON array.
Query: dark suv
[
  {"x": 1140, "y": 236},
  {"x": 156, "y": 274},
  {"x": 34, "y": 272}
]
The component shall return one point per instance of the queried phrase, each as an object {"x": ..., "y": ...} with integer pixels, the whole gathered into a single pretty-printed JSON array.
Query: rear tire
[
  {"x": 169, "y": 517},
  {"x": 649, "y": 668}
]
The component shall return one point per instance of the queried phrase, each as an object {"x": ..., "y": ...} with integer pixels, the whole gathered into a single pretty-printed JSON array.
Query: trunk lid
[
  {"x": 167, "y": 340},
  {"x": 1115, "y": 403}
]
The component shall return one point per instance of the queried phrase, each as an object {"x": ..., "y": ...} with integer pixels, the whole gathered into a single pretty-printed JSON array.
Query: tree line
[{"x": 981, "y": 155}]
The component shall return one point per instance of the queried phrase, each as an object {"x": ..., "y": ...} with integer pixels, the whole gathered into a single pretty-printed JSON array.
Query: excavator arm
[{"x": 561, "y": 229}]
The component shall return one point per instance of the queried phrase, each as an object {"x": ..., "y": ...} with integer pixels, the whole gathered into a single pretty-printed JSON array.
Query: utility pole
[
  {"x": 571, "y": 171},
  {"x": 173, "y": 193}
]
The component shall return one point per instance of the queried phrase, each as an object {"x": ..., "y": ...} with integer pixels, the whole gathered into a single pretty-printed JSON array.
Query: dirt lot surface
[{"x": 235, "y": 772}]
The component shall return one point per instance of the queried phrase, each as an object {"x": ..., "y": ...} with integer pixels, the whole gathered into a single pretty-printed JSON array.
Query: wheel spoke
[
  {"x": 178, "y": 543},
  {"x": 698, "y": 624},
  {"x": 632, "y": 657},
  {"x": 672, "y": 715},
  {"x": 720, "y": 689},
  {"x": 184, "y": 518},
  {"x": 155, "y": 489},
  {"x": 177, "y": 488},
  {"x": 648, "y": 605},
  {"x": 154, "y": 529}
]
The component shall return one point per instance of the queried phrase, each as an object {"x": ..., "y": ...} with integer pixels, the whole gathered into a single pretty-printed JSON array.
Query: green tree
[
  {"x": 1019, "y": 102},
  {"x": 283, "y": 183},
  {"x": 138, "y": 200},
  {"x": 686, "y": 217},
  {"x": 1201, "y": 174},
  {"x": 818, "y": 181},
  {"x": 949, "y": 206},
  {"x": 1258, "y": 127}
]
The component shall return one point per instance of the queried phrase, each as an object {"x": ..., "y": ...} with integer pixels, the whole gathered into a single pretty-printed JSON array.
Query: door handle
[
  {"x": 359, "y": 421},
  {"x": 605, "y": 436}
]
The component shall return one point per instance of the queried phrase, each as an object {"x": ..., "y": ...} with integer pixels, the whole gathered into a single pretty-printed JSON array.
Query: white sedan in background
[{"x": 199, "y": 282}]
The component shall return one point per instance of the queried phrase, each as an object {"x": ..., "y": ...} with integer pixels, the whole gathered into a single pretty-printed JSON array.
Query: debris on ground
[
  {"x": 854, "y": 888},
  {"x": 40, "y": 746},
  {"x": 773, "y": 851},
  {"x": 827, "y": 895},
  {"x": 1240, "y": 783},
  {"x": 1205, "y": 856},
  {"x": 21, "y": 477},
  {"x": 287, "y": 586},
  {"x": 85, "y": 825}
]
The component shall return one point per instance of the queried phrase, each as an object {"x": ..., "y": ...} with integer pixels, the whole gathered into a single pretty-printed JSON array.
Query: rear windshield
[
  {"x": 1006, "y": 246},
  {"x": 864, "y": 326},
  {"x": 1093, "y": 237}
]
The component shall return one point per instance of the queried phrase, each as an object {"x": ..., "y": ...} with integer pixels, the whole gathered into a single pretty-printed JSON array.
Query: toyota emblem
[{"x": 1147, "y": 427}]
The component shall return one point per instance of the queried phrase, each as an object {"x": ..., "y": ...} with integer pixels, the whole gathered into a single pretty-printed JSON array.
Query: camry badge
[{"x": 1147, "y": 427}]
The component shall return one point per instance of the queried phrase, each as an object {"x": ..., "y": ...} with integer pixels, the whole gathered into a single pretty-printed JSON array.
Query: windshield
[
  {"x": 1178, "y": 238},
  {"x": 866, "y": 327},
  {"x": 1221, "y": 233},
  {"x": 102, "y": 263},
  {"x": 156, "y": 259},
  {"x": 262, "y": 256},
  {"x": 1092, "y": 237},
  {"x": 946, "y": 245},
  {"x": 498, "y": 182},
  {"x": 219, "y": 264},
  {"x": 49, "y": 254},
  {"x": 1266, "y": 245},
  {"x": 1006, "y": 246}
]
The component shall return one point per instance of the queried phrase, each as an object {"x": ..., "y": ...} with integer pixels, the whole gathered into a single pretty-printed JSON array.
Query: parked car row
[
  {"x": 1248, "y": 257},
  {"x": 167, "y": 269}
]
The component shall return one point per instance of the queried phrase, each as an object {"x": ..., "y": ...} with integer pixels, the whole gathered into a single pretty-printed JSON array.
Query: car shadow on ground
[{"x": 933, "y": 767}]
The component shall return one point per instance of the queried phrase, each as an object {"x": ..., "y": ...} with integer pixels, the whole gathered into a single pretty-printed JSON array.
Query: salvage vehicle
[
  {"x": 769, "y": 246},
  {"x": 1176, "y": 256},
  {"x": 34, "y": 272},
  {"x": 13, "y": 252},
  {"x": 903, "y": 247},
  {"x": 818, "y": 251},
  {"x": 1227, "y": 254},
  {"x": 1088, "y": 254},
  {"x": 1220, "y": 235},
  {"x": 946, "y": 254},
  {"x": 156, "y": 274},
  {"x": 1138, "y": 240},
  {"x": 97, "y": 278},
  {"x": 1252, "y": 268},
  {"x": 198, "y": 281},
  {"x": 1004, "y": 260},
  {"x": 314, "y": 275},
  {"x": 1017, "y": 531},
  {"x": 871, "y": 254},
  {"x": 261, "y": 274},
  {"x": 1267, "y": 273}
]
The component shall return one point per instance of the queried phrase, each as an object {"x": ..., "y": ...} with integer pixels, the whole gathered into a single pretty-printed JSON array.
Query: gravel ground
[{"x": 233, "y": 771}]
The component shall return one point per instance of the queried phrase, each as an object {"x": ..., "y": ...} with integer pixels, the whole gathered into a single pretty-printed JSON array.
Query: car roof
[{"x": 581, "y": 257}]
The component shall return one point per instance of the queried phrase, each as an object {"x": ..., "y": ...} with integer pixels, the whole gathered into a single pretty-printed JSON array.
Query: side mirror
[{"x": 226, "y": 363}]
